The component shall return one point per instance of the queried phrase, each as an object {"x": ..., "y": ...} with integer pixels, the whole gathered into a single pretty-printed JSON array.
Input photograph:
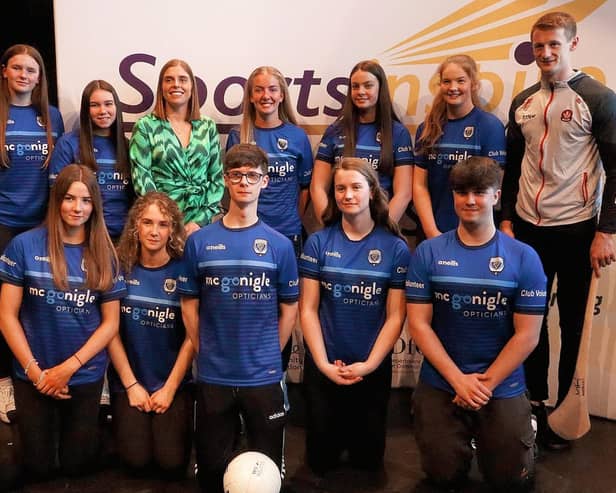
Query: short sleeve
[
  {"x": 308, "y": 260},
  {"x": 288, "y": 281},
  {"x": 418, "y": 288}
]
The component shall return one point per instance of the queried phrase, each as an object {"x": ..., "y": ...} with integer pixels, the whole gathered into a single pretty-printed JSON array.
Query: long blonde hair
[
  {"x": 437, "y": 116},
  {"x": 249, "y": 114}
]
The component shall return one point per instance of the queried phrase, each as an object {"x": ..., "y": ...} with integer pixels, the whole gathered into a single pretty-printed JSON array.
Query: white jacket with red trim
[{"x": 560, "y": 138}]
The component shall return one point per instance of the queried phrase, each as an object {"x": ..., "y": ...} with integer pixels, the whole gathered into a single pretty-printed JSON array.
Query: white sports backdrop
[{"x": 315, "y": 45}]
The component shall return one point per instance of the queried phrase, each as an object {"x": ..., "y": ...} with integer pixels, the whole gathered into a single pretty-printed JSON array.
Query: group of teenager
[{"x": 119, "y": 261}]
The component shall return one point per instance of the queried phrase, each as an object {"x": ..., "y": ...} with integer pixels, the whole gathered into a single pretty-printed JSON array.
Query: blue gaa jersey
[
  {"x": 23, "y": 184},
  {"x": 240, "y": 276},
  {"x": 56, "y": 323},
  {"x": 368, "y": 147},
  {"x": 474, "y": 292},
  {"x": 151, "y": 325},
  {"x": 114, "y": 186},
  {"x": 289, "y": 170},
  {"x": 477, "y": 134},
  {"x": 355, "y": 277}
]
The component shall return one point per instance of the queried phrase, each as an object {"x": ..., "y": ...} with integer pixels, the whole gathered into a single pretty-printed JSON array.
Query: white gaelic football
[{"x": 252, "y": 472}]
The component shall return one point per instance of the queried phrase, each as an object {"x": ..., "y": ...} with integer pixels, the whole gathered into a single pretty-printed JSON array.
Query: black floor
[{"x": 589, "y": 467}]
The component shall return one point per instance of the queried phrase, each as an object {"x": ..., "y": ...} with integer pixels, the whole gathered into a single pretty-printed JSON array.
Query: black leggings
[
  {"x": 340, "y": 417},
  {"x": 66, "y": 429},
  {"x": 6, "y": 357},
  {"x": 143, "y": 439}
]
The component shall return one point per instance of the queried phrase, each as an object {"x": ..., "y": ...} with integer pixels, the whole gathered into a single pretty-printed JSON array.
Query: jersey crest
[
  {"x": 282, "y": 144},
  {"x": 169, "y": 285},
  {"x": 260, "y": 246},
  {"x": 469, "y": 131},
  {"x": 375, "y": 257},
  {"x": 496, "y": 265}
]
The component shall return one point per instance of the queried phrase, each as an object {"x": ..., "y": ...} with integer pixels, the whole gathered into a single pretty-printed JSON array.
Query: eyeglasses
[{"x": 252, "y": 177}]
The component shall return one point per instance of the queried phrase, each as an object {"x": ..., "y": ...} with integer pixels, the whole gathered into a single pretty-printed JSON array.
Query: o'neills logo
[
  {"x": 220, "y": 246},
  {"x": 451, "y": 263}
]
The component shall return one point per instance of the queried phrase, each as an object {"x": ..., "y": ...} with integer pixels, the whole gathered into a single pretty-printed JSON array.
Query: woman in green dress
[{"x": 177, "y": 151}]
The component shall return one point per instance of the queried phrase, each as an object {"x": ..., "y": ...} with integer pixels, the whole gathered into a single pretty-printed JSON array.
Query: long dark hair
[
  {"x": 86, "y": 130},
  {"x": 99, "y": 258},
  {"x": 379, "y": 207},
  {"x": 385, "y": 116},
  {"x": 40, "y": 99}
]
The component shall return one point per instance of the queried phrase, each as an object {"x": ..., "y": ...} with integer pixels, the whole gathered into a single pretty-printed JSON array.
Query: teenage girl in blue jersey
[
  {"x": 99, "y": 143},
  {"x": 151, "y": 402},
  {"x": 455, "y": 128},
  {"x": 352, "y": 310},
  {"x": 59, "y": 308},
  {"x": 367, "y": 128},
  {"x": 29, "y": 125},
  {"x": 269, "y": 121}
]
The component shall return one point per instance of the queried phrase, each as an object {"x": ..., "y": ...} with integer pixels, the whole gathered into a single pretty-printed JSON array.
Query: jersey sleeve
[
  {"x": 233, "y": 138},
  {"x": 418, "y": 288},
  {"x": 403, "y": 148},
  {"x": 306, "y": 161},
  {"x": 604, "y": 131},
  {"x": 400, "y": 265},
  {"x": 188, "y": 280},
  {"x": 327, "y": 147},
  {"x": 61, "y": 156},
  {"x": 11, "y": 263},
  {"x": 513, "y": 167},
  {"x": 531, "y": 291},
  {"x": 288, "y": 280},
  {"x": 57, "y": 123},
  {"x": 308, "y": 261},
  {"x": 419, "y": 156},
  {"x": 117, "y": 291},
  {"x": 493, "y": 142}
]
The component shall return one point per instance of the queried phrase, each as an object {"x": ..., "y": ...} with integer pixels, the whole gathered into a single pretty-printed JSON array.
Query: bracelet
[
  {"x": 27, "y": 367},
  {"x": 77, "y": 358},
  {"x": 40, "y": 378},
  {"x": 131, "y": 385}
]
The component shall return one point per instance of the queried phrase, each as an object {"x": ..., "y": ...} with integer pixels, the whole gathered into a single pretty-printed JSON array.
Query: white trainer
[{"x": 7, "y": 400}]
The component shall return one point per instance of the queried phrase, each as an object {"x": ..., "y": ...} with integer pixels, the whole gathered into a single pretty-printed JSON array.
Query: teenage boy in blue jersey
[
  {"x": 239, "y": 304},
  {"x": 475, "y": 300}
]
